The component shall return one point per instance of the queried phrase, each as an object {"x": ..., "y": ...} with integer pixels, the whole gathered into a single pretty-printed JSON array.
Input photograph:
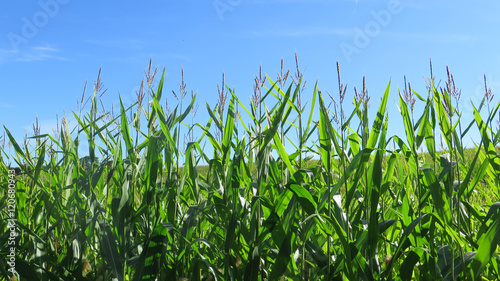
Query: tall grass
[{"x": 370, "y": 208}]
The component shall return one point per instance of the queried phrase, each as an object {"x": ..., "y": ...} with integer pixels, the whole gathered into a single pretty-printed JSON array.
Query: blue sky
[{"x": 49, "y": 48}]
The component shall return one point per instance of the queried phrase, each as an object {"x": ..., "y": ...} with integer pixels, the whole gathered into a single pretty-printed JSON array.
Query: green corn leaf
[
  {"x": 346, "y": 247},
  {"x": 152, "y": 162},
  {"x": 461, "y": 264},
  {"x": 325, "y": 135},
  {"x": 379, "y": 119},
  {"x": 17, "y": 148},
  {"x": 282, "y": 153},
  {"x": 147, "y": 262},
  {"x": 187, "y": 111},
  {"x": 25, "y": 270},
  {"x": 468, "y": 182},
  {"x": 126, "y": 133},
  {"x": 284, "y": 257},
  {"x": 214, "y": 118},
  {"x": 487, "y": 246},
  {"x": 39, "y": 163},
  {"x": 110, "y": 252},
  {"x": 402, "y": 245},
  {"x": 444, "y": 121},
  {"x": 491, "y": 151},
  {"x": 274, "y": 124},
  {"x": 313, "y": 103},
  {"x": 407, "y": 267},
  {"x": 252, "y": 268},
  {"x": 426, "y": 132},
  {"x": 305, "y": 198},
  {"x": 242, "y": 106},
  {"x": 156, "y": 96},
  {"x": 438, "y": 195},
  {"x": 165, "y": 128},
  {"x": 228, "y": 129},
  {"x": 410, "y": 133}
]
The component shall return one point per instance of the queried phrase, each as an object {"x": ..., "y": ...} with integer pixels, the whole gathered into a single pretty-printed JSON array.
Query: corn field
[{"x": 269, "y": 188}]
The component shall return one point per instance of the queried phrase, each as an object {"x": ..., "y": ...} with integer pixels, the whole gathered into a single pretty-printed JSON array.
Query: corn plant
[{"x": 342, "y": 200}]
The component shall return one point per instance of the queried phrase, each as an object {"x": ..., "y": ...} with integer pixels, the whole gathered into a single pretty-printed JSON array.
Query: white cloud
[
  {"x": 35, "y": 53},
  {"x": 299, "y": 32},
  {"x": 45, "y": 49},
  {"x": 439, "y": 37},
  {"x": 39, "y": 53},
  {"x": 119, "y": 43}
]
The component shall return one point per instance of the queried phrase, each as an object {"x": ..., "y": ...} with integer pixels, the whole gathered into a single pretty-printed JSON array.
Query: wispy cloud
[
  {"x": 45, "y": 49},
  {"x": 119, "y": 43},
  {"x": 438, "y": 37},
  {"x": 35, "y": 53},
  {"x": 300, "y": 32},
  {"x": 39, "y": 53}
]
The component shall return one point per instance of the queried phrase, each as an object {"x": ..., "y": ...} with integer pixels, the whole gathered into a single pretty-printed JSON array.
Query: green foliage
[{"x": 256, "y": 205}]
